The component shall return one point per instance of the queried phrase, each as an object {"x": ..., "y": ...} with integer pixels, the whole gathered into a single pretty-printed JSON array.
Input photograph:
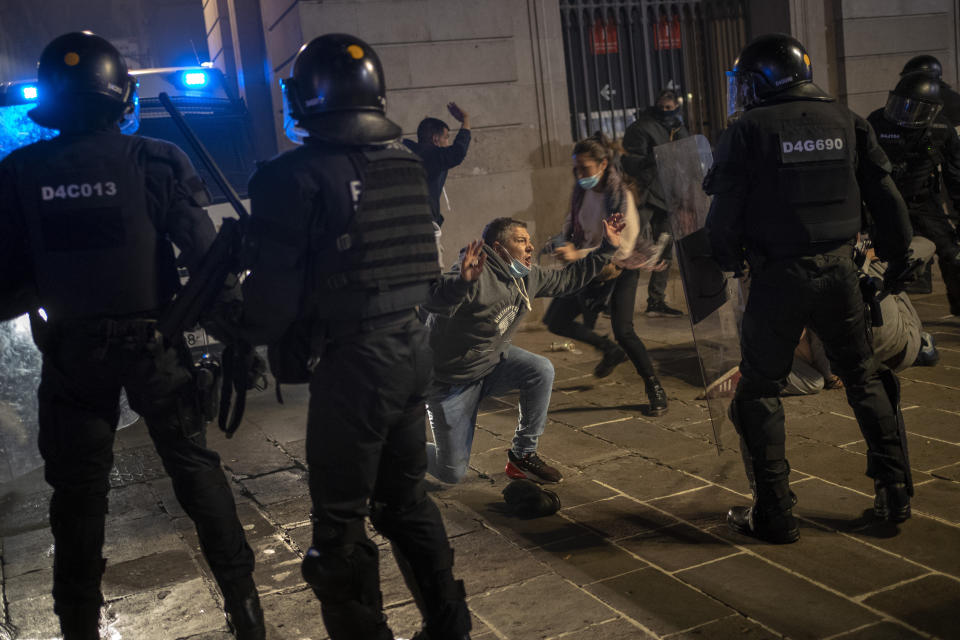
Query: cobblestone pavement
[{"x": 639, "y": 549}]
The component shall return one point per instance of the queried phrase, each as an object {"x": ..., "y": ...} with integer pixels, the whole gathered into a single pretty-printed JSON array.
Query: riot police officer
[
  {"x": 93, "y": 213},
  {"x": 931, "y": 66},
  {"x": 925, "y": 152},
  {"x": 787, "y": 185},
  {"x": 341, "y": 251}
]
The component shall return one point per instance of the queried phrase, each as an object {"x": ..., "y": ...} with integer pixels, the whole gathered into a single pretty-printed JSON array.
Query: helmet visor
[
  {"x": 295, "y": 133},
  {"x": 909, "y": 112},
  {"x": 741, "y": 93}
]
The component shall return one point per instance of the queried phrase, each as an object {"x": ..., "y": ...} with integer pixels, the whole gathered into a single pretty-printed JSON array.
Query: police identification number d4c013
[
  {"x": 77, "y": 191},
  {"x": 812, "y": 145}
]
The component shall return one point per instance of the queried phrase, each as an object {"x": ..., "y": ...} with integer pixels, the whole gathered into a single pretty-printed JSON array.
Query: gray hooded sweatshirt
[{"x": 472, "y": 323}]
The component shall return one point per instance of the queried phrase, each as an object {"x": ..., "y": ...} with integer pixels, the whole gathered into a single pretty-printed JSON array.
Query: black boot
[
  {"x": 241, "y": 604},
  {"x": 892, "y": 502},
  {"x": 777, "y": 528},
  {"x": 656, "y": 396}
]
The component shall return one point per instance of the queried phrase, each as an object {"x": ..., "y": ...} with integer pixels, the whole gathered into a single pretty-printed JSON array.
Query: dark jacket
[
  {"x": 436, "y": 162},
  {"x": 472, "y": 323},
  {"x": 788, "y": 178},
  {"x": 640, "y": 163}
]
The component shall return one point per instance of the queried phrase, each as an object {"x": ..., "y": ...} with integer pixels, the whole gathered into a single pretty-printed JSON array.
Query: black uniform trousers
[
  {"x": 657, "y": 286},
  {"x": 930, "y": 221},
  {"x": 84, "y": 367},
  {"x": 366, "y": 452},
  {"x": 786, "y": 295}
]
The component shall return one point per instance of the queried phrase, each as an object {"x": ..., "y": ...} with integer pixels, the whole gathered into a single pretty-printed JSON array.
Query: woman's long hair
[{"x": 614, "y": 183}]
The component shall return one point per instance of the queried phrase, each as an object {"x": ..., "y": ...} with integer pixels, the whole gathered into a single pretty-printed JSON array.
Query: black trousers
[
  {"x": 366, "y": 451},
  {"x": 820, "y": 292},
  {"x": 84, "y": 367},
  {"x": 561, "y": 315},
  {"x": 930, "y": 221}
]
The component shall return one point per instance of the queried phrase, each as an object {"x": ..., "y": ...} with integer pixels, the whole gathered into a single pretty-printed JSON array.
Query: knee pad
[{"x": 343, "y": 574}]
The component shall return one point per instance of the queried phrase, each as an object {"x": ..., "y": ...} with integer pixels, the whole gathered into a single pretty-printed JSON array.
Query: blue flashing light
[
  {"x": 29, "y": 92},
  {"x": 195, "y": 79}
]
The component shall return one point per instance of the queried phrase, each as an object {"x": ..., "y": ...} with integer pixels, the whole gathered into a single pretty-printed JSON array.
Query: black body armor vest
[
  {"x": 94, "y": 246},
  {"x": 804, "y": 165}
]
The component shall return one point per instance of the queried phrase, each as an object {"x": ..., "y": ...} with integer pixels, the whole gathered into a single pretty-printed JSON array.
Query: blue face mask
[
  {"x": 589, "y": 183},
  {"x": 518, "y": 269}
]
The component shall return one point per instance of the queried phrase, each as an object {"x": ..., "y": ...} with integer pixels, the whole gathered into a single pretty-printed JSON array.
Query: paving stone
[
  {"x": 278, "y": 486},
  {"x": 522, "y": 611},
  {"x": 940, "y": 498},
  {"x": 703, "y": 507},
  {"x": 749, "y": 585},
  {"x": 24, "y": 508},
  {"x": 932, "y": 423},
  {"x": 943, "y": 376},
  {"x": 925, "y": 454},
  {"x": 619, "y": 629},
  {"x": 683, "y": 414},
  {"x": 833, "y": 464},
  {"x": 502, "y": 423},
  {"x": 831, "y": 506},
  {"x": 929, "y": 604},
  {"x": 289, "y": 425},
  {"x": 652, "y": 441},
  {"x": 292, "y": 512},
  {"x": 725, "y": 469},
  {"x": 641, "y": 478},
  {"x": 881, "y": 631},
  {"x": 576, "y": 448},
  {"x": 176, "y": 611},
  {"x": 677, "y": 547},
  {"x": 131, "y": 539},
  {"x": 484, "y": 440},
  {"x": 579, "y": 490},
  {"x": 950, "y": 472},
  {"x": 734, "y": 627},
  {"x": 297, "y": 449},
  {"x": 586, "y": 415},
  {"x": 922, "y": 540},
  {"x": 822, "y": 428},
  {"x": 293, "y": 615},
  {"x": 457, "y": 520},
  {"x": 32, "y": 584},
  {"x": 301, "y": 537},
  {"x": 659, "y": 602},
  {"x": 27, "y": 551},
  {"x": 132, "y": 502},
  {"x": 254, "y": 457},
  {"x": 34, "y": 618},
  {"x": 619, "y": 517},
  {"x": 587, "y": 559},
  {"x": 484, "y": 562},
  {"x": 148, "y": 572},
  {"x": 836, "y": 561}
]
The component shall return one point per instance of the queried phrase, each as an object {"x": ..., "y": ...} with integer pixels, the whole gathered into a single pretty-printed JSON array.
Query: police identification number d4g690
[
  {"x": 81, "y": 190},
  {"x": 820, "y": 144}
]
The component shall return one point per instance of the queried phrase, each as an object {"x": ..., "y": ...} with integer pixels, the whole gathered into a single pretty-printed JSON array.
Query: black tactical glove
[{"x": 900, "y": 273}]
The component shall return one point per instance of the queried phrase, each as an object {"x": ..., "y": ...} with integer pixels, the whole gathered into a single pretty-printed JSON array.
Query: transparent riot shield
[
  {"x": 19, "y": 377},
  {"x": 715, "y": 302}
]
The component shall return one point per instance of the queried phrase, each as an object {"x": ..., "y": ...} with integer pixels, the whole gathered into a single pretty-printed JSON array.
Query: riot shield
[
  {"x": 19, "y": 377},
  {"x": 715, "y": 302}
]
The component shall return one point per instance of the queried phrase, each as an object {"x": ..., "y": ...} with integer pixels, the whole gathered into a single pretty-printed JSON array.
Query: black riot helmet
[
  {"x": 82, "y": 79},
  {"x": 914, "y": 102},
  {"x": 925, "y": 63},
  {"x": 767, "y": 66},
  {"x": 337, "y": 93}
]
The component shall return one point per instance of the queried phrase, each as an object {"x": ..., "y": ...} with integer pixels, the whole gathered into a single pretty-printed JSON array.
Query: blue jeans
[{"x": 452, "y": 409}]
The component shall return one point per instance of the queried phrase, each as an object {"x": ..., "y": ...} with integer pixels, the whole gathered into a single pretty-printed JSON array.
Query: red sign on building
[
  {"x": 667, "y": 35},
  {"x": 603, "y": 38}
]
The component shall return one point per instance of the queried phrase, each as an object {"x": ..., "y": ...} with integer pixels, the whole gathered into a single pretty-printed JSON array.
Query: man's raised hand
[{"x": 471, "y": 264}]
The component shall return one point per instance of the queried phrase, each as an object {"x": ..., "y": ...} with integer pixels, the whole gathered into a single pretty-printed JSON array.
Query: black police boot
[
  {"x": 773, "y": 527},
  {"x": 892, "y": 502},
  {"x": 79, "y": 622},
  {"x": 657, "y": 397},
  {"x": 241, "y": 604}
]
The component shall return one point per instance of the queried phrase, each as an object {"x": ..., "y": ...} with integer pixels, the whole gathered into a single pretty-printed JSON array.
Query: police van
[{"x": 218, "y": 117}]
